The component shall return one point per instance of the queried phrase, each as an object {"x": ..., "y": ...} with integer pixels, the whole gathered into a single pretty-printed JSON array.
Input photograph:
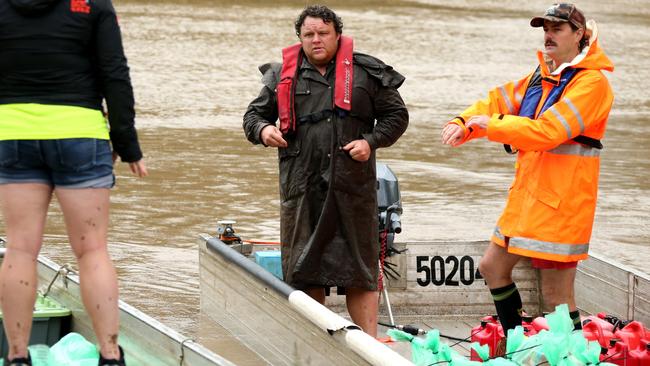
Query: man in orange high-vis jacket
[{"x": 555, "y": 118}]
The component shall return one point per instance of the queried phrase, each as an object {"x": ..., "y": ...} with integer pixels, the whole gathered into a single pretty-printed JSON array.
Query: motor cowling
[{"x": 389, "y": 205}]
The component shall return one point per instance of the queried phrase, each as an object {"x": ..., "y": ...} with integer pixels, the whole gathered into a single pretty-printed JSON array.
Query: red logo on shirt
[{"x": 79, "y": 6}]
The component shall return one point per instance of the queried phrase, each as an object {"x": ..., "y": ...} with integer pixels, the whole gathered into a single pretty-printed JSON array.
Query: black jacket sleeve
[
  {"x": 392, "y": 118},
  {"x": 263, "y": 110},
  {"x": 390, "y": 111},
  {"x": 115, "y": 83}
]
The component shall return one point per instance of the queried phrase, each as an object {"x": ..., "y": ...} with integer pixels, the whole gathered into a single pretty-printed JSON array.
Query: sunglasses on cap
[{"x": 562, "y": 11}]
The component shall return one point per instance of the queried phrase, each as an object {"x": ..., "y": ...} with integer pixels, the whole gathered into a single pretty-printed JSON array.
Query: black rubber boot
[
  {"x": 19, "y": 361},
  {"x": 112, "y": 362}
]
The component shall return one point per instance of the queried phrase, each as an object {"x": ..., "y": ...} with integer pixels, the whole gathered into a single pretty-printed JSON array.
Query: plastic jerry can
[
  {"x": 487, "y": 333},
  {"x": 594, "y": 331}
]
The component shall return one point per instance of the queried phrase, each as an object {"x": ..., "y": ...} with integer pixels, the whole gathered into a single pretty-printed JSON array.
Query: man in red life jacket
[
  {"x": 554, "y": 119},
  {"x": 336, "y": 108}
]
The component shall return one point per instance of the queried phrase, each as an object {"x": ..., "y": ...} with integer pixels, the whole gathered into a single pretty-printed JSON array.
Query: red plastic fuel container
[
  {"x": 599, "y": 318},
  {"x": 488, "y": 332},
  {"x": 527, "y": 323},
  {"x": 540, "y": 323},
  {"x": 632, "y": 334},
  {"x": 617, "y": 353},
  {"x": 640, "y": 357},
  {"x": 595, "y": 331}
]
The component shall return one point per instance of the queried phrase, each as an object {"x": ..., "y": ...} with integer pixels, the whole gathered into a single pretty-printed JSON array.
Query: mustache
[{"x": 550, "y": 43}]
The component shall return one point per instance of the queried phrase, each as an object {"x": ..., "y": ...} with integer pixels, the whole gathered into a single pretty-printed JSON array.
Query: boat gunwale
[
  {"x": 621, "y": 266},
  {"x": 188, "y": 348}
]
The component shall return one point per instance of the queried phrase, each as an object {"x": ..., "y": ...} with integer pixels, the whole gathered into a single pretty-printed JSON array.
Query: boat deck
[
  {"x": 221, "y": 341},
  {"x": 459, "y": 328}
]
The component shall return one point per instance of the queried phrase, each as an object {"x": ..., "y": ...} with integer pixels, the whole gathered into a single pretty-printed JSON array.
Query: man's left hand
[{"x": 359, "y": 150}]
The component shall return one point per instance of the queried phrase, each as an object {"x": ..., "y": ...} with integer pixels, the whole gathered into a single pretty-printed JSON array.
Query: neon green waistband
[{"x": 30, "y": 121}]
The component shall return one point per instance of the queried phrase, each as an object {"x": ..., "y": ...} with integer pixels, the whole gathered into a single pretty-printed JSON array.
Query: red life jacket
[{"x": 286, "y": 90}]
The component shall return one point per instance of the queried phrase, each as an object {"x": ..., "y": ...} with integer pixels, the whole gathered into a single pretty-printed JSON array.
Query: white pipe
[
  {"x": 320, "y": 315},
  {"x": 373, "y": 351},
  {"x": 357, "y": 340}
]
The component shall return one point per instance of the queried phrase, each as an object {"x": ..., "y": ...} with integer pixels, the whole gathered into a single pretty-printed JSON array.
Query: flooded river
[{"x": 194, "y": 69}]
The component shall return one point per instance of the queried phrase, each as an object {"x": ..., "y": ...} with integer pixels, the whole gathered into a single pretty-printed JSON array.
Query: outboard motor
[
  {"x": 389, "y": 204},
  {"x": 389, "y": 207}
]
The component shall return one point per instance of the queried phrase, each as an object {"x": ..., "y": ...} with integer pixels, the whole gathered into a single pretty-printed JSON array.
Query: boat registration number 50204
[{"x": 446, "y": 270}]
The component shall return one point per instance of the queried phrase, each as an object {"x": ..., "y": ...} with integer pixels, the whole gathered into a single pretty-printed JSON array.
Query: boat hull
[
  {"x": 145, "y": 340},
  {"x": 282, "y": 325},
  {"x": 438, "y": 288}
]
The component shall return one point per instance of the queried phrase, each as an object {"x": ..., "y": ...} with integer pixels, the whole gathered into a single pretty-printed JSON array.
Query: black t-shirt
[{"x": 68, "y": 52}]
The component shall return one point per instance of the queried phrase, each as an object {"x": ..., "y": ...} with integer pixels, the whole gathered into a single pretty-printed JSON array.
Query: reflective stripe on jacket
[{"x": 550, "y": 209}]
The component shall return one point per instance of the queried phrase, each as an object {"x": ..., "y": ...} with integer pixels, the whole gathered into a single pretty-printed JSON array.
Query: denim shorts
[{"x": 64, "y": 163}]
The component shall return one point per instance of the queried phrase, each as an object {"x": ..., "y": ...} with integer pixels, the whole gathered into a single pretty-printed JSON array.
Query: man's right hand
[
  {"x": 271, "y": 136},
  {"x": 139, "y": 169},
  {"x": 452, "y": 134}
]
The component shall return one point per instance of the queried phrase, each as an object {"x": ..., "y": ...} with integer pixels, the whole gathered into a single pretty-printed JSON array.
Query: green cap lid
[{"x": 46, "y": 307}]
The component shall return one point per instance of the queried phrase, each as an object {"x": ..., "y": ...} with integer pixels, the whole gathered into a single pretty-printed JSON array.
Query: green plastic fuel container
[{"x": 51, "y": 322}]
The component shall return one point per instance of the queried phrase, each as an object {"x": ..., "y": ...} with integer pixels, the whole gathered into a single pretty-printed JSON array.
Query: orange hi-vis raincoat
[{"x": 552, "y": 201}]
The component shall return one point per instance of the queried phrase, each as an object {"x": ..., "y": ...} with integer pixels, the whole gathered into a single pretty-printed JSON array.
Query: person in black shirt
[{"x": 59, "y": 60}]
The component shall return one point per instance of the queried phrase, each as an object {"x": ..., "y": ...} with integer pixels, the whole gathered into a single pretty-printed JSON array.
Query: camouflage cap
[{"x": 562, "y": 12}]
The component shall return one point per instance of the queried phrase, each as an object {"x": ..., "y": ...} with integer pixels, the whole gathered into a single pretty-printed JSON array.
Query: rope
[
  {"x": 517, "y": 351},
  {"x": 382, "y": 258},
  {"x": 63, "y": 270},
  {"x": 612, "y": 355},
  {"x": 183, "y": 349},
  {"x": 459, "y": 340},
  {"x": 261, "y": 242},
  {"x": 491, "y": 358},
  {"x": 416, "y": 331},
  {"x": 437, "y": 363}
]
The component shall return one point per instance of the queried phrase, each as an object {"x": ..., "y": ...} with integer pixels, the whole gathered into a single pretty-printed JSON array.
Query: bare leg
[
  {"x": 363, "y": 306},
  {"x": 558, "y": 288},
  {"x": 496, "y": 266},
  {"x": 24, "y": 207},
  {"x": 86, "y": 219},
  {"x": 317, "y": 294}
]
